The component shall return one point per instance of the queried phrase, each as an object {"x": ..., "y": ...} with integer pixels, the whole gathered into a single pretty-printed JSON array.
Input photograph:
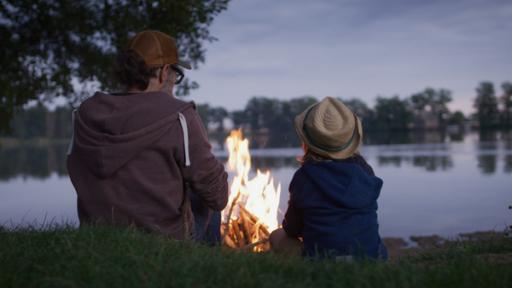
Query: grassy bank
[{"x": 103, "y": 257}]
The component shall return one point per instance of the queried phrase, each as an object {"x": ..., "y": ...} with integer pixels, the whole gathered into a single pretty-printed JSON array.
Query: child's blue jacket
[{"x": 333, "y": 207}]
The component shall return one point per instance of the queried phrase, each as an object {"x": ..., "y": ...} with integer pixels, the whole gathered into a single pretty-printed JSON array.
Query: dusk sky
[{"x": 355, "y": 49}]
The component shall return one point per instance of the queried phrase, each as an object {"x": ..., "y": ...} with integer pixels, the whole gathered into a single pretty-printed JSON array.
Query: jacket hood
[
  {"x": 344, "y": 184},
  {"x": 111, "y": 129}
]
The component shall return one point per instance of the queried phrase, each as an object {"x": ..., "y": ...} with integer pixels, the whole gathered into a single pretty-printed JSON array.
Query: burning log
[{"x": 246, "y": 233}]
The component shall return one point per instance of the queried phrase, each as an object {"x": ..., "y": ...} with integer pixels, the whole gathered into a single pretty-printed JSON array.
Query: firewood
[
  {"x": 265, "y": 230},
  {"x": 247, "y": 228},
  {"x": 256, "y": 231},
  {"x": 255, "y": 244},
  {"x": 245, "y": 215},
  {"x": 229, "y": 242},
  {"x": 245, "y": 232},
  {"x": 249, "y": 214},
  {"x": 243, "y": 238},
  {"x": 236, "y": 233},
  {"x": 228, "y": 219}
]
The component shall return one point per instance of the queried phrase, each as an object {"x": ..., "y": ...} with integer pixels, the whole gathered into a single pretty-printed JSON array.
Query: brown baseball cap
[{"x": 157, "y": 49}]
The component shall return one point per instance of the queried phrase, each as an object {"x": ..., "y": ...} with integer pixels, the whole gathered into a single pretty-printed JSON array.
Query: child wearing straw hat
[{"x": 332, "y": 211}]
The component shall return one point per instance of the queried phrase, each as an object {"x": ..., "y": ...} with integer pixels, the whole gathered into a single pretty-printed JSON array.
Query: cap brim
[{"x": 184, "y": 64}]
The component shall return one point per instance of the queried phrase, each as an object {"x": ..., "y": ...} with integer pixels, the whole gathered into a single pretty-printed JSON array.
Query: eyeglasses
[{"x": 179, "y": 74}]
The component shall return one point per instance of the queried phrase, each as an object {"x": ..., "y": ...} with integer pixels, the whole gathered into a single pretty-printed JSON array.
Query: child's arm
[{"x": 292, "y": 222}]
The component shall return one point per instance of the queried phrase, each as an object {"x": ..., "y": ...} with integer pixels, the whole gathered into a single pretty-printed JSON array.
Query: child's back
[
  {"x": 333, "y": 196},
  {"x": 333, "y": 207}
]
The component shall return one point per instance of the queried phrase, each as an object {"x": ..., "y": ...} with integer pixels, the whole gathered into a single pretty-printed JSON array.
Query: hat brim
[{"x": 345, "y": 153}]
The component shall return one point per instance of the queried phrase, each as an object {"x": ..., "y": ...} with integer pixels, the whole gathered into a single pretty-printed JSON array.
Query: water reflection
[
  {"x": 266, "y": 163},
  {"x": 487, "y": 141},
  {"x": 263, "y": 140},
  {"x": 387, "y": 138},
  {"x": 38, "y": 161},
  {"x": 433, "y": 163},
  {"x": 508, "y": 164},
  {"x": 491, "y": 150},
  {"x": 435, "y": 173},
  {"x": 395, "y": 161},
  {"x": 456, "y": 137},
  {"x": 487, "y": 164},
  {"x": 429, "y": 163},
  {"x": 506, "y": 138}
]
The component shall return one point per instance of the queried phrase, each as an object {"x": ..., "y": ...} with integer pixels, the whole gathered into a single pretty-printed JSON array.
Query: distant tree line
[
  {"x": 427, "y": 109},
  {"x": 493, "y": 111},
  {"x": 39, "y": 122},
  {"x": 270, "y": 120}
]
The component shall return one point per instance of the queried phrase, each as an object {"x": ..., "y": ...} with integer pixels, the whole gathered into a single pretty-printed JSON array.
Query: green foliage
[
  {"x": 274, "y": 117},
  {"x": 270, "y": 120},
  {"x": 202, "y": 110},
  {"x": 457, "y": 118},
  {"x": 215, "y": 115},
  {"x": 506, "y": 100},
  {"x": 392, "y": 114},
  {"x": 31, "y": 123},
  {"x": 49, "y": 44},
  {"x": 39, "y": 122},
  {"x": 433, "y": 102},
  {"x": 486, "y": 105},
  {"x": 108, "y": 257},
  {"x": 360, "y": 108}
]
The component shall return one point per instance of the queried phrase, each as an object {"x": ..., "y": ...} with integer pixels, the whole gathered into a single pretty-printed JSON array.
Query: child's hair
[{"x": 310, "y": 156}]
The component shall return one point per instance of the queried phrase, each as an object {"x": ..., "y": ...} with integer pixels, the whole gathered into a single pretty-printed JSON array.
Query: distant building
[{"x": 425, "y": 120}]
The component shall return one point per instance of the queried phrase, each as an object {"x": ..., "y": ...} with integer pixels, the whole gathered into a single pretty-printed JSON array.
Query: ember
[{"x": 253, "y": 203}]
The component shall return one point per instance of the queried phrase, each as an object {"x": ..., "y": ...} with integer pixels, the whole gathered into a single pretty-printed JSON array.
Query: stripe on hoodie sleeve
[
  {"x": 70, "y": 146},
  {"x": 184, "y": 127}
]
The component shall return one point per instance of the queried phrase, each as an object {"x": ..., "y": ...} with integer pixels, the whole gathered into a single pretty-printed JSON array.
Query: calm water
[{"x": 440, "y": 187}]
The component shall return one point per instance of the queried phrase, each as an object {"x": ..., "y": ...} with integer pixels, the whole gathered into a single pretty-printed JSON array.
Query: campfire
[{"x": 251, "y": 213}]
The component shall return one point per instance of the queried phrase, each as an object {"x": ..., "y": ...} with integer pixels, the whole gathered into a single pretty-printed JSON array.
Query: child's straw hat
[{"x": 330, "y": 129}]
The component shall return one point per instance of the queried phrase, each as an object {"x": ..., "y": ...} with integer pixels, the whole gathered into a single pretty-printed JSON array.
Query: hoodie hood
[
  {"x": 346, "y": 185},
  {"x": 117, "y": 127}
]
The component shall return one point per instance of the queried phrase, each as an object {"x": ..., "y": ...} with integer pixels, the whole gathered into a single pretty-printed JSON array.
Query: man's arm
[{"x": 205, "y": 175}]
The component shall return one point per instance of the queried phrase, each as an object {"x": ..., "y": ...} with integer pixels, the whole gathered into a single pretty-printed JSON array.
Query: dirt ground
[{"x": 399, "y": 247}]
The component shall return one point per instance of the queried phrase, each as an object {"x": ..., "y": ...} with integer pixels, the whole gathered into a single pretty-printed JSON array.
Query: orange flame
[{"x": 258, "y": 194}]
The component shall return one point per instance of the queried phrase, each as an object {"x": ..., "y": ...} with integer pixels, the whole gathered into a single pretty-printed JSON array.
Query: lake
[{"x": 440, "y": 185}]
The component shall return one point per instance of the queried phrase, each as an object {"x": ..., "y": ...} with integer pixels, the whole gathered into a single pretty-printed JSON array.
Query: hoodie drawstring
[
  {"x": 186, "y": 209},
  {"x": 70, "y": 146},
  {"x": 184, "y": 127}
]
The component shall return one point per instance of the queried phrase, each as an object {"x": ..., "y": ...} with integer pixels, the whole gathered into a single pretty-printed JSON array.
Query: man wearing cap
[{"x": 136, "y": 155}]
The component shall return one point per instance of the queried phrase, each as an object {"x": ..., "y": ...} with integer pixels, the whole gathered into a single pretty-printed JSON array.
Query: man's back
[{"x": 132, "y": 156}]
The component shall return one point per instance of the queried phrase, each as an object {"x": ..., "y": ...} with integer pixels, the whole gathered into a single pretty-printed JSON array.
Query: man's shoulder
[
  {"x": 91, "y": 99},
  {"x": 132, "y": 111},
  {"x": 184, "y": 105},
  {"x": 144, "y": 100}
]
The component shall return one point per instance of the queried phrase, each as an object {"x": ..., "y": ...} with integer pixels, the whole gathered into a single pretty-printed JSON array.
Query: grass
[{"x": 108, "y": 257}]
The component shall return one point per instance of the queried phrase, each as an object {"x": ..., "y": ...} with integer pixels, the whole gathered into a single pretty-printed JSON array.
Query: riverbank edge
[{"x": 111, "y": 257}]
